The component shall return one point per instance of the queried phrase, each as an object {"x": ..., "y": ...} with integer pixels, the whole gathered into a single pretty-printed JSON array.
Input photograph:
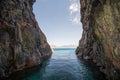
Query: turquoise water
[{"x": 64, "y": 65}]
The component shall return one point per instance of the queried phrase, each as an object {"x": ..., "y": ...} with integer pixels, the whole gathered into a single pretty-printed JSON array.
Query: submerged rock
[
  {"x": 22, "y": 43},
  {"x": 101, "y": 35}
]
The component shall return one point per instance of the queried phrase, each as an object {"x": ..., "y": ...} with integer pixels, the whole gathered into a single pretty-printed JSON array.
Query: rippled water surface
[{"x": 63, "y": 65}]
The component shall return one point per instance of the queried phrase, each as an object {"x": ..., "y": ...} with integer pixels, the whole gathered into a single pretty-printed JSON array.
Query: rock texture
[
  {"x": 101, "y": 35},
  {"x": 22, "y": 43}
]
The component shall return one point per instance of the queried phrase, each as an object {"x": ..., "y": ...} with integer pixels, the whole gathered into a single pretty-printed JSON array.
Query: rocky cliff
[
  {"x": 100, "y": 40},
  {"x": 22, "y": 43}
]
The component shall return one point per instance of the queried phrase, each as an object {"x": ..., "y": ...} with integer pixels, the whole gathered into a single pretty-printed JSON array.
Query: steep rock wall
[
  {"x": 100, "y": 40},
  {"x": 22, "y": 43}
]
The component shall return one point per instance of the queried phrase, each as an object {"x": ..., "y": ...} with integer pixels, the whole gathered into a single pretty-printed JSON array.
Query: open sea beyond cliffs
[{"x": 64, "y": 65}]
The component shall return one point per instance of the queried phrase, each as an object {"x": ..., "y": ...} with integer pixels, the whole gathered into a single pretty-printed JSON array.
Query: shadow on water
[
  {"x": 22, "y": 74},
  {"x": 96, "y": 73}
]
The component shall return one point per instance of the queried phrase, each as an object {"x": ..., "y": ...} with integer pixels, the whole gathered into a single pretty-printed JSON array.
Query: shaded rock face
[
  {"x": 100, "y": 40},
  {"x": 22, "y": 43}
]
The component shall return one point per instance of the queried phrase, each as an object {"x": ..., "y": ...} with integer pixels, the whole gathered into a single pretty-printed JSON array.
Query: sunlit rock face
[
  {"x": 101, "y": 36},
  {"x": 22, "y": 43}
]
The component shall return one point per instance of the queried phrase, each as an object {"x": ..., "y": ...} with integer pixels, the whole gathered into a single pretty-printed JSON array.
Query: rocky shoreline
[
  {"x": 22, "y": 43},
  {"x": 100, "y": 40},
  {"x": 17, "y": 75},
  {"x": 97, "y": 74}
]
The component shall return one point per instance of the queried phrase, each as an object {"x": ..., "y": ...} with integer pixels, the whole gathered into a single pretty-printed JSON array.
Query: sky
[{"x": 59, "y": 20}]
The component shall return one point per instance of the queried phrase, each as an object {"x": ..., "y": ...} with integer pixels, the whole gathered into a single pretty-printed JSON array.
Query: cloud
[
  {"x": 74, "y": 10},
  {"x": 74, "y": 7},
  {"x": 76, "y": 20}
]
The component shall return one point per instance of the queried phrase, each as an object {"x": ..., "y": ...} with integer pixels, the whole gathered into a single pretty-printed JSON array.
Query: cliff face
[
  {"x": 101, "y": 35},
  {"x": 22, "y": 43}
]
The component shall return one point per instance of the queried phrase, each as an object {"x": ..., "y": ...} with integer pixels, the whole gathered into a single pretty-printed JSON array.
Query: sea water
[{"x": 64, "y": 65}]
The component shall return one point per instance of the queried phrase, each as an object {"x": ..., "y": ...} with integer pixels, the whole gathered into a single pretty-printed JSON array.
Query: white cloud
[
  {"x": 74, "y": 10},
  {"x": 74, "y": 7},
  {"x": 76, "y": 20}
]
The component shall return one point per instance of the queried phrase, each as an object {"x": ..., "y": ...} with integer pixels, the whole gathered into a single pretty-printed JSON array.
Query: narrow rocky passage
[{"x": 64, "y": 65}]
